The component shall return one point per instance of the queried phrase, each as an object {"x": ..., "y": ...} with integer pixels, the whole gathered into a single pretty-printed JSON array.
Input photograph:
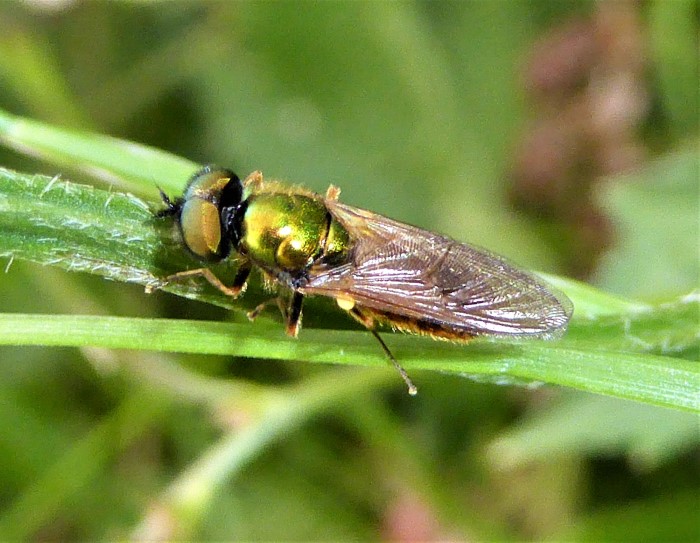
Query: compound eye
[
  {"x": 201, "y": 229},
  {"x": 210, "y": 191},
  {"x": 215, "y": 185}
]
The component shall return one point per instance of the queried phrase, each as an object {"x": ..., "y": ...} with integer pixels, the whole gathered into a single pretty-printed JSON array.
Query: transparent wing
[{"x": 399, "y": 270}]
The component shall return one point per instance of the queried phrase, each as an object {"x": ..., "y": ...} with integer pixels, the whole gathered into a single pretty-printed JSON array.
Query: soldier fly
[{"x": 380, "y": 271}]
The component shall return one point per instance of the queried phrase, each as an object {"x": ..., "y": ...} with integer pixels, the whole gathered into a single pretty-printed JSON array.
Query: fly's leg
[
  {"x": 241, "y": 278},
  {"x": 239, "y": 281},
  {"x": 291, "y": 313},
  {"x": 255, "y": 313},
  {"x": 368, "y": 322}
]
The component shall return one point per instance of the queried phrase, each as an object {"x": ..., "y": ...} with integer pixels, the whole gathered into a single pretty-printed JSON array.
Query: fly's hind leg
[
  {"x": 367, "y": 320},
  {"x": 239, "y": 281}
]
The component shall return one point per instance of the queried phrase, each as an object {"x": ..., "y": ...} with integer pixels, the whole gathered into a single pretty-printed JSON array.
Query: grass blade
[{"x": 617, "y": 348}]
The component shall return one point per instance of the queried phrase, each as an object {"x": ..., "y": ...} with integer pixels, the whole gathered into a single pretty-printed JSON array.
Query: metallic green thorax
[{"x": 290, "y": 232}]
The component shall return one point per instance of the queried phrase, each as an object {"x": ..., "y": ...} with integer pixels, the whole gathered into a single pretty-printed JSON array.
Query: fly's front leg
[
  {"x": 235, "y": 290},
  {"x": 241, "y": 278}
]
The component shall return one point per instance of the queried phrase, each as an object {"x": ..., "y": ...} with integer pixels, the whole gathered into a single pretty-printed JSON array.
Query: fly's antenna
[
  {"x": 172, "y": 207},
  {"x": 412, "y": 389}
]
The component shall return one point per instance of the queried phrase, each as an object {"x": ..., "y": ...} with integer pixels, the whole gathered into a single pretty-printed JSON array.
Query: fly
[{"x": 380, "y": 271}]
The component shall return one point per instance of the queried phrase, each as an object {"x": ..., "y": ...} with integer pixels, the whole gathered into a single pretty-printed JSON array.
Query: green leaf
[
  {"x": 672, "y": 28},
  {"x": 604, "y": 426},
  {"x": 130, "y": 165},
  {"x": 656, "y": 212},
  {"x": 79, "y": 228},
  {"x": 671, "y": 518},
  {"x": 85, "y": 460}
]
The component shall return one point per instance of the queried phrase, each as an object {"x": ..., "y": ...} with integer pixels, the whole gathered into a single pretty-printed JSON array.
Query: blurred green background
[{"x": 462, "y": 117}]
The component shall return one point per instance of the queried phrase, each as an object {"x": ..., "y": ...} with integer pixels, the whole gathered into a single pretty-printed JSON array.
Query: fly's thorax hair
[
  {"x": 254, "y": 184},
  {"x": 270, "y": 283}
]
